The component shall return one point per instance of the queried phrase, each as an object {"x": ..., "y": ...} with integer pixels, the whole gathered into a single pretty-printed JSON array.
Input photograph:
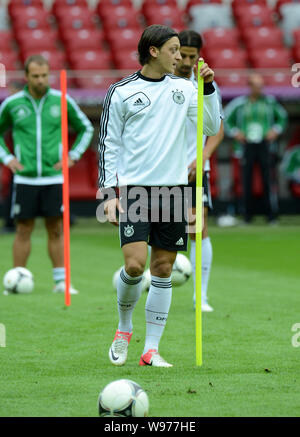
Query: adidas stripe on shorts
[{"x": 153, "y": 218}]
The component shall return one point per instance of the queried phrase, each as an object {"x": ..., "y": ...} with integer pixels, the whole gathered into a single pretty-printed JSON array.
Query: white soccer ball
[
  {"x": 182, "y": 270},
  {"x": 145, "y": 280},
  {"x": 116, "y": 277},
  {"x": 123, "y": 398},
  {"x": 18, "y": 280}
]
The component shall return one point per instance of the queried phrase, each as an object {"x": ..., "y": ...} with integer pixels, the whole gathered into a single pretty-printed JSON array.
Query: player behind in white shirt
[
  {"x": 190, "y": 46},
  {"x": 142, "y": 149}
]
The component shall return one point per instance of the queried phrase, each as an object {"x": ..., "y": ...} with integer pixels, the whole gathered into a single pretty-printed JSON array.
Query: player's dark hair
[
  {"x": 190, "y": 38},
  {"x": 155, "y": 35},
  {"x": 38, "y": 59}
]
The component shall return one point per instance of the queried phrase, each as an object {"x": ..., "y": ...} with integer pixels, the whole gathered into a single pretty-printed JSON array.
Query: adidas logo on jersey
[
  {"x": 180, "y": 242},
  {"x": 139, "y": 102}
]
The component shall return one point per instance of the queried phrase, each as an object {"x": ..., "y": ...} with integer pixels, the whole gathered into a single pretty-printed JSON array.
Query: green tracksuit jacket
[
  {"x": 36, "y": 128},
  {"x": 254, "y": 118}
]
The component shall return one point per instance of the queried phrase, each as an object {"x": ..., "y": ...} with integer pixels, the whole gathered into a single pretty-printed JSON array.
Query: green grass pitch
[{"x": 56, "y": 359}]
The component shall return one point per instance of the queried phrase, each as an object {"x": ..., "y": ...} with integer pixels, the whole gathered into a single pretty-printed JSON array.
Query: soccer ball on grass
[
  {"x": 182, "y": 270},
  {"x": 123, "y": 398},
  {"x": 18, "y": 280},
  {"x": 146, "y": 279}
]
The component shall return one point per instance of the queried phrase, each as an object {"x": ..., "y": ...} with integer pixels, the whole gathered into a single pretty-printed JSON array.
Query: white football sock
[
  {"x": 157, "y": 310},
  {"x": 58, "y": 274},
  {"x": 207, "y": 253},
  {"x": 128, "y": 291},
  {"x": 206, "y": 266},
  {"x": 193, "y": 262}
]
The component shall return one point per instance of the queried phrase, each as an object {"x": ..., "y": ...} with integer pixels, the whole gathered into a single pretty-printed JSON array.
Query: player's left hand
[
  {"x": 192, "y": 171},
  {"x": 206, "y": 72},
  {"x": 272, "y": 135},
  {"x": 59, "y": 164}
]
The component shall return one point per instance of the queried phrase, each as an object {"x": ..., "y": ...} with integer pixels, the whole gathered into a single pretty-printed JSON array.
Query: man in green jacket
[
  {"x": 34, "y": 116},
  {"x": 255, "y": 122}
]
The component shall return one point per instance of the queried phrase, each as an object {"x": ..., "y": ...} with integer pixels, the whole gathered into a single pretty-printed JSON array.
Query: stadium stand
[
  {"x": 168, "y": 15},
  {"x": 121, "y": 39},
  {"x": 6, "y": 40},
  {"x": 121, "y": 17},
  {"x": 93, "y": 39},
  {"x": 84, "y": 176},
  {"x": 83, "y": 39},
  {"x": 263, "y": 37},
  {"x": 290, "y": 21},
  {"x": 220, "y": 37},
  {"x": 203, "y": 17}
]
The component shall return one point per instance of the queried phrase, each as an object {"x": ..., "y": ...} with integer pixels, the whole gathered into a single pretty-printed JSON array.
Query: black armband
[{"x": 209, "y": 88}]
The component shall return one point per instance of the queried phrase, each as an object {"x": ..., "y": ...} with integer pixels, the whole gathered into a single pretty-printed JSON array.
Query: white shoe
[
  {"x": 152, "y": 358},
  {"x": 60, "y": 288},
  {"x": 206, "y": 308},
  {"x": 118, "y": 350}
]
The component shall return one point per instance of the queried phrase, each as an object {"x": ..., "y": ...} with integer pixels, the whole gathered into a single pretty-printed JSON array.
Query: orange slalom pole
[{"x": 65, "y": 168}]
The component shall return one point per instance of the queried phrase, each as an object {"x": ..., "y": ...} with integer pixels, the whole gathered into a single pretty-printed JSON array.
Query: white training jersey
[
  {"x": 143, "y": 135},
  {"x": 192, "y": 129}
]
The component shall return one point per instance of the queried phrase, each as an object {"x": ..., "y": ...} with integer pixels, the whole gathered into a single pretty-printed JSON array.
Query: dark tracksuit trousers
[{"x": 258, "y": 152}]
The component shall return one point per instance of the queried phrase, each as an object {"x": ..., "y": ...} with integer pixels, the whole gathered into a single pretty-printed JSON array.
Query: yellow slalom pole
[{"x": 199, "y": 217}]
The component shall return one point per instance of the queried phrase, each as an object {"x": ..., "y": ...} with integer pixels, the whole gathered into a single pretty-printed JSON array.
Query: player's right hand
[
  {"x": 110, "y": 208},
  {"x": 14, "y": 165},
  {"x": 240, "y": 137}
]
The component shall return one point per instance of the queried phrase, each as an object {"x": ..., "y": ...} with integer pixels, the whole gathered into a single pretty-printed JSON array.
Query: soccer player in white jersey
[
  {"x": 142, "y": 149},
  {"x": 190, "y": 46}
]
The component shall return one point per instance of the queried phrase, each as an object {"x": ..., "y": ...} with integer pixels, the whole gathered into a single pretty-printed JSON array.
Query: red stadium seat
[
  {"x": 127, "y": 60},
  {"x": 103, "y": 4},
  {"x": 220, "y": 37},
  {"x": 84, "y": 177},
  {"x": 278, "y": 79},
  {"x": 62, "y": 3},
  {"x": 96, "y": 81},
  {"x": 43, "y": 21},
  {"x": 167, "y": 15},
  {"x": 55, "y": 58},
  {"x": 232, "y": 79},
  {"x": 6, "y": 40},
  {"x": 10, "y": 59},
  {"x": 25, "y": 3},
  {"x": 237, "y": 3},
  {"x": 296, "y": 53},
  {"x": 76, "y": 17},
  {"x": 270, "y": 58},
  {"x": 263, "y": 37},
  {"x": 36, "y": 40},
  {"x": 296, "y": 36},
  {"x": 214, "y": 176},
  {"x": 226, "y": 58},
  {"x": 263, "y": 18},
  {"x": 120, "y": 17},
  {"x": 27, "y": 12},
  {"x": 83, "y": 39},
  {"x": 123, "y": 39},
  {"x": 149, "y": 4},
  {"x": 90, "y": 60}
]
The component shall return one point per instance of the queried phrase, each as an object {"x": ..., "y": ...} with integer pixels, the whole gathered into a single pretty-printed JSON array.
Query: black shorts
[
  {"x": 30, "y": 201},
  {"x": 156, "y": 215},
  {"x": 206, "y": 198}
]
